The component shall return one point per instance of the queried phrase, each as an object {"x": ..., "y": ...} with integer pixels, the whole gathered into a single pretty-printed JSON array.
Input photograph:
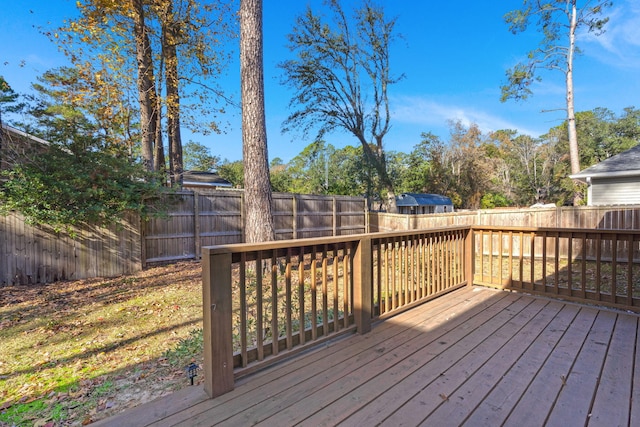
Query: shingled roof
[
  {"x": 413, "y": 199},
  {"x": 623, "y": 164}
]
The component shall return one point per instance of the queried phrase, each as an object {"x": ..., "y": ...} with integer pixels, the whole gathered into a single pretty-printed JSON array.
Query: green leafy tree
[
  {"x": 558, "y": 22},
  {"x": 341, "y": 76},
  {"x": 232, "y": 172},
  {"x": 64, "y": 189},
  {"x": 143, "y": 44},
  {"x": 9, "y": 100},
  {"x": 81, "y": 176},
  {"x": 198, "y": 157}
]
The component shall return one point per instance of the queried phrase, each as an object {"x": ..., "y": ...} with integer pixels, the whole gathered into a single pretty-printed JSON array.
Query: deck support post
[
  {"x": 363, "y": 285},
  {"x": 217, "y": 310},
  {"x": 469, "y": 258}
]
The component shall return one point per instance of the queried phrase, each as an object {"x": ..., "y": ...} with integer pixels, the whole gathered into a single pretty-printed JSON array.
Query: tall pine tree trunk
[
  {"x": 146, "y": 86},
  {"x": 571, "y": 117},
  {"x": 259, "y": 225},
  {"x": 169, "y": 40}
]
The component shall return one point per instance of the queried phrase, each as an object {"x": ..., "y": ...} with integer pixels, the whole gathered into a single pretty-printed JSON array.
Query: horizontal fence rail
[{"x": 263, "y": 302}]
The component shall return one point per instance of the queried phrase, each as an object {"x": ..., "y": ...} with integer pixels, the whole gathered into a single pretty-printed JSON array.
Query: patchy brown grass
[{"x": 75, "y": 352}]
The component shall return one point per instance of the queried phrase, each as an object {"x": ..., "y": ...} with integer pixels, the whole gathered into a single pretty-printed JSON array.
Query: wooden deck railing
[
  {"x": 263, "y": 302},
  {"x": 601, "y": 266}
]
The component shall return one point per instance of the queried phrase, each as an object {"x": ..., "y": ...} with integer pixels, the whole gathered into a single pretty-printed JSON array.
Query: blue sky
[{"x": 453, "y": 55}]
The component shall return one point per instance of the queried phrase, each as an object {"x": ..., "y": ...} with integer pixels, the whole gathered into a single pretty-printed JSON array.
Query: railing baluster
[
  {"x": 556, "y": 264},
  {"x": 630, "y": 271},
  {"x": 314, "y": 294},
  {"x": 510, "y": 276},
  {"x": 325, "y": 293},
  {"x": 598, "y": 266},
  {"x": 570, "y": 264},
  {"x": 301, "y": 297},
  {"x": 384, "y": 244},
  {"x": 259, "y": 307},
  {"x": 500, "y": 266},
  {"x": 275, "y": 327},
  {"x": 544, "y": 261},
  {"x": 533, "y": 260},
  {"x": 395, "y": 294},
  {"x": 614, "y": 267},
  {"x": 289, "y": 300},
  {"x": 347, "y": 295},
  {"x": 336, "y": 296},
  {"x": 583, "y": 269},
  {"x": 243, "y": 309}
]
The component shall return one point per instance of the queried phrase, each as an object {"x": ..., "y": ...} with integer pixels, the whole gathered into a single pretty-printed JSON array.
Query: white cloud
[
  {"x": 619, "y": 45},
  {"x": 417, "y": 110}
]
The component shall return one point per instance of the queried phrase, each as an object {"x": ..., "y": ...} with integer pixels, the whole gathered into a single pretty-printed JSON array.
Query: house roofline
[
  {"x": 24, "y": 134},
  {"x": 621, "y": 174}
]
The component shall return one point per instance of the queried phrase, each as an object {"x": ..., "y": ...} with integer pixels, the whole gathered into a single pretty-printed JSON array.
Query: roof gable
[{"x": 626, "y": 163}]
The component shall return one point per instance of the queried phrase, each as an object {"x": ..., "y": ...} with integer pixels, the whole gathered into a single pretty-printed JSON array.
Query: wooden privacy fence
[
  {"x": 600, "y": 217},
  {"x": 216, "y": 218},
  {"x": 38, "y": 254},
  {"x": 32, "y": 254},
  {"x": 263, "y": 302}
]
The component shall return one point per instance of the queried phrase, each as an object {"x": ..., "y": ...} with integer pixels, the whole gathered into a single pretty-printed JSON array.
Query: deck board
[
  {"x": 473, "y": 357},
  {"x": 496, "y": 406},
  {"x": 613, "y": 396}
]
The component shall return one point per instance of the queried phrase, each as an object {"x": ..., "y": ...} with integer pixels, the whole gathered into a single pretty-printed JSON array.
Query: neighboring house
[
  {"x": 614, "y": 181},
  {"x": 412, "y": 203},
  {"x": 198, "y": 181},
  {"x": 15, "y": 145}
]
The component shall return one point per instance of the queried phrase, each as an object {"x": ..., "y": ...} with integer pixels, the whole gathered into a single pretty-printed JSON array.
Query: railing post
[
  {"x": 469, "y": 256},
  {"x": 217, "y": 309},
  {"x": 363, "y": 285}
]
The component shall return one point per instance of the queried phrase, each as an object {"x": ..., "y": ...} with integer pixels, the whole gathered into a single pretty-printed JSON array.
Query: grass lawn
[{"x": 78, "y": 351}]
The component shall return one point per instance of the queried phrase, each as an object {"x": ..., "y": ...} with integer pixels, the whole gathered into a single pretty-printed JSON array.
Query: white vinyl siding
[{"x": 615, "y": 191}]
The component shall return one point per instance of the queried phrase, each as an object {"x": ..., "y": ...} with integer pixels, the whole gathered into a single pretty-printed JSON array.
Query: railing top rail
[
  {"x": 316, "y": 241},
  {"x": 556, "y": 229}
]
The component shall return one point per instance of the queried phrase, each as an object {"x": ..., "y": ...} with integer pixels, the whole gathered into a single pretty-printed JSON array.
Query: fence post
[
  {"x": 469, "y": 260},
  {"x": 217, "y": 309},
  {"x": 363, "y": 285}
]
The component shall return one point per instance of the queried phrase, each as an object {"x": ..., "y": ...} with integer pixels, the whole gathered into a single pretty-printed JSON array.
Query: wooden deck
[{"x": 475, "y": 357}]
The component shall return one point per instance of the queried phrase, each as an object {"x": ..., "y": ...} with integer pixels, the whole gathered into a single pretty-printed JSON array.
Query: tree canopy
[
  {"x": 341, "y": 74},
  {"x": 558, "y": 22}
]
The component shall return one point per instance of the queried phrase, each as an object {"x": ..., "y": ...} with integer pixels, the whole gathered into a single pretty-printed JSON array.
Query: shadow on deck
[{"x": 475, "y": 357}]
